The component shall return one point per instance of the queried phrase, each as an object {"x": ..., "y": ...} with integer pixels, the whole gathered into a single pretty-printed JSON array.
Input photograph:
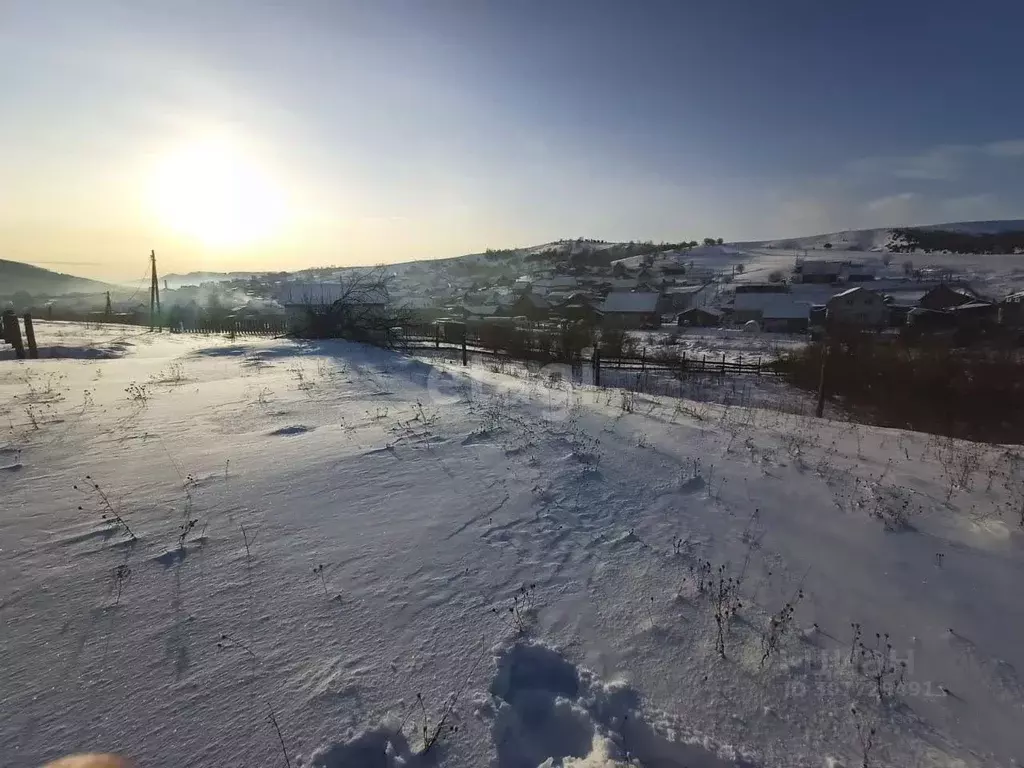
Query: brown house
[
  {"x": 531, "y": 306},
  {"x": 945, "y": 296}
]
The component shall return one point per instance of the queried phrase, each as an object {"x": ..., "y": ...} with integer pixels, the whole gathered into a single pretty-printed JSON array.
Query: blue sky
[{"x": 257, "y": 134}]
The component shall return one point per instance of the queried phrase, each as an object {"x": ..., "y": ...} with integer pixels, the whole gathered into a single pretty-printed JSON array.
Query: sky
[{"x": 233, "y": 135}]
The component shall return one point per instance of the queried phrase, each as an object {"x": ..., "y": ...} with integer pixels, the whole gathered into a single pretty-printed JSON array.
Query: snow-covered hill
[
  {"x": 16, "y": 277},
  {"x": 243, "y": 553},
  {"x": 879, "y": 239}
]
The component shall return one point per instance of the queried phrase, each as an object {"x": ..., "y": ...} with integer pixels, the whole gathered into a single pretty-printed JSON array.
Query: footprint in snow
[{"x": 546, "y": 711}]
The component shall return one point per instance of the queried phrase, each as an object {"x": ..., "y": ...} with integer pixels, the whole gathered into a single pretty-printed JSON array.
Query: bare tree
[{"x": 357, "y": 307}]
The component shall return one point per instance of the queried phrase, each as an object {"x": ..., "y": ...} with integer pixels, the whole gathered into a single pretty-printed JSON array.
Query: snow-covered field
[
  {"x": 377, "y": 549},
  {"x": 736, "y": 344}
]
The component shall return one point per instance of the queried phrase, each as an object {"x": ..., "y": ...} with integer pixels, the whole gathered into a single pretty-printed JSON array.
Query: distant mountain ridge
[
  {"x": 883, "y": 238},
  {"x": 17, "y": 277}
]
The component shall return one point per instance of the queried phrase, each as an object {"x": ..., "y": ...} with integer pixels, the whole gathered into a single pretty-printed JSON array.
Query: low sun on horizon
[{"x": 214, "y": 193}]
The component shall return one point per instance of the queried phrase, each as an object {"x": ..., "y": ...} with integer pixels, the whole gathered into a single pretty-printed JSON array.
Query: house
[
  {"x": 857, "y": 308},
  {"x": 750, "y": 301},
  {"x": 361, "y": 303},
  {"x": 620, "y": 284},
  {"x": 479, "y": 311},
  {"x": 700, "y": 317},
  {"x": 858, "y": 272},
  {"x": 1011, "y": 310},
  {"x": 579, "y": 307},
  {"x": 786, "y": 316},
  {"x": 920, "y": 319},
  {"x": 529, "y": 305},
  {"x": 683, "y": 297},
  {"x": 557, "y": 283},
  {"x": 818, "y": 271},
  {"x": 631, "y": 310},
  {"x": 975, "y": 315},
  {"x": 946, "y": 296}
]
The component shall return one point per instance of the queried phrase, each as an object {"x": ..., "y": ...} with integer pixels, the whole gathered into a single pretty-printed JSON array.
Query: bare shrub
[
  {"x": 520, "y": 613},
  {"x": 107, "y": 510},
  {"x": 137, "y": 393},
  {"x": 778, "y": 626},
  {"x": 959, "y": 461},
  {"x": 876, "y": 663}
]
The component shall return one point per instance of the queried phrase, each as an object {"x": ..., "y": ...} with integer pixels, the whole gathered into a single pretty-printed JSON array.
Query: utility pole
[{"x": 154, "y": 292}]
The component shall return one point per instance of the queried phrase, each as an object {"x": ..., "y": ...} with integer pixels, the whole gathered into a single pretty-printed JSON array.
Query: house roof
[
  {"x": 772, "y": 306},
  {"x": 963, "y": 290},
  {"x": 538, "y": 301},
  {"x": 686, "y": 288},
  {"x": 971, "y": 305},
  {"x": 847, "y": 292},
  {"x": 705, "y": 310},
  {"x": 622, "y": 283},
  {"x": 639, "y": 302},
  {"x": 482, "y": 310},
  {"x": 558, "y": 281}
]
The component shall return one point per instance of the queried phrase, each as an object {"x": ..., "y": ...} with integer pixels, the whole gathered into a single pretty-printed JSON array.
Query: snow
[{"x": 509, "y": 556}]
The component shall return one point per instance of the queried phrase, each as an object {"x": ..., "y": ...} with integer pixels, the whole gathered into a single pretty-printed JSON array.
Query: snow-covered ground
[
  {"x": 377, "y": 549},
  {"x": 736, "y": 344},
  {"x": 87, "y": 341}
]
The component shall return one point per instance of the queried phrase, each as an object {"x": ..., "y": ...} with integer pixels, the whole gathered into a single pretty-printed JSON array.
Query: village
[{"x": 696, "y": 288}]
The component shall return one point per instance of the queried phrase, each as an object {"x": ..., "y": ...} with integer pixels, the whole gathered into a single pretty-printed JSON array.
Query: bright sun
[{"x": 212, "y": 192}]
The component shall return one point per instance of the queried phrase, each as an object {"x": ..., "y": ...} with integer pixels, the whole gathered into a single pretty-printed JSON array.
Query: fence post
[
  {"x": 465, "y": 356},
  {"x": 643, "y": 359},
  {"x": 437, "y": 337},
  {"x": 597, "y": 365},
  {"x": 723, "y": 363},
  {"x": 30, "y": 337},
  {"x": 703, "y": 363},
  {"x": 819, "y": 411},
  {"x": 759, "y": 367},
  {"x": 12, "y": 333}
]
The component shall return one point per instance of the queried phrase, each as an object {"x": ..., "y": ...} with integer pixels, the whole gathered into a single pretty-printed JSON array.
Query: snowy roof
[
  {"x": 559, "y": 281},
  {"x": 482, "y": 309},
  {"x": 686, "y": 289},
  {"x": 621, "y": 301},
  {"x": 847, "y": 292}
]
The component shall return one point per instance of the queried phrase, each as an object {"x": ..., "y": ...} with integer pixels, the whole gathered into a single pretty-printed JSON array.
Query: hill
[
  {"x": 16, "y": 277},
  {"x": 897, "y": 238}
]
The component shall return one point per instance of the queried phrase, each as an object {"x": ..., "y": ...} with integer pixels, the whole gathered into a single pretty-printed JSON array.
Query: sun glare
[{"x": 215, "y": 194}]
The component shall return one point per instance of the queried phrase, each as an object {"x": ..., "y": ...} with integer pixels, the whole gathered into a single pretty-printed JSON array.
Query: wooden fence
[
  {"x": 240, "y": 328},
  {"x": 642, "y": 363}
]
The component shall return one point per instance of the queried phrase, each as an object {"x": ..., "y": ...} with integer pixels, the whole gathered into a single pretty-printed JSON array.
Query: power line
[{"x": 142, "y": 279}]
